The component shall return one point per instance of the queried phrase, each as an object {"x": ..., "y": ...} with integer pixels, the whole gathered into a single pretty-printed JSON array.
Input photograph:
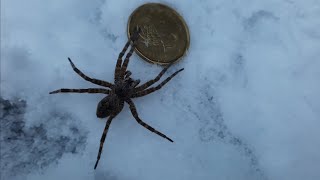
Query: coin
[{"x": 164, "y": 36}]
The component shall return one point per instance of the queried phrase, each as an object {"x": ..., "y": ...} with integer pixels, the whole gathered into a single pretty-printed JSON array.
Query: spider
[{"x": 123, "y": 89}]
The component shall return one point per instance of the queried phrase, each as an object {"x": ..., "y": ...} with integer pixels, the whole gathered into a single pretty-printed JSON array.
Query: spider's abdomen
[{"x": 109, "y": 105}]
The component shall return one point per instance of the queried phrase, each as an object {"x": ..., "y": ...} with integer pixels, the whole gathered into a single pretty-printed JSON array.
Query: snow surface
[{"x": 246, "y": 107}]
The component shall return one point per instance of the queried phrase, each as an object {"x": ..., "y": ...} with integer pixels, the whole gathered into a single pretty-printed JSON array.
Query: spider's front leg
[
  {"x": 87, "y": 78},
  {"x": 89, "y": 90},
  {"x": 134, "y": 37},
  {"x": 119, "y": 72},
  {"x": 119, "y": 61}
]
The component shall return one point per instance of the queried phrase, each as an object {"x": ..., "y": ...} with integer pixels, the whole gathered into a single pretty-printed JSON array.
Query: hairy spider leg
[
  {"x": 136, "y": 116},
  {"x": 89, "y": 90},
  {"x": 87, "y": 78},
  {"x": 126, "y": 61},
  {"x": 119, "y": 61},
  {"x": 134, "y": 39},
  {"x": 118, "y": 69},
  {"x": 152, "y": 89},
  {"x": 103, "y": 138},
  {"x": 151, "y": 82}
]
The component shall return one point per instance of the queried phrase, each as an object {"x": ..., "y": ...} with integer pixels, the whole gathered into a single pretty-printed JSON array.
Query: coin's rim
[{"x": 184, "y": 24}]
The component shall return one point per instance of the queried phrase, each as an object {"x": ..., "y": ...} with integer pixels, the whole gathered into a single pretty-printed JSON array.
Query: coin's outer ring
[{"x": 184, "y": 24}]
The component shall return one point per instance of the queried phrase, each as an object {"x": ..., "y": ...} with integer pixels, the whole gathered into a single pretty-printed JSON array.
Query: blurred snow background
[{"x": 246, "y": 107}]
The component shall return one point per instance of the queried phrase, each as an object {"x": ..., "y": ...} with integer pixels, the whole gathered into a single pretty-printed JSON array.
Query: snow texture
[
  {"x": 24, "y": 150},
  {"x": 247, "y": 105}
]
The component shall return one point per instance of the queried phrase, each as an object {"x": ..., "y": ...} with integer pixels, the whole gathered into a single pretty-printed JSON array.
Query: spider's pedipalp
[
  {"x": 136, "y": 82},
  {"x": 87, "y": 78},
  {"x": 89, "y": 90},
  {"x": 136, "y": 116},
  {"x": 127, "y": 74},
  {"x": 152, "y": 89},
  {"x": 103, "y": 138}
]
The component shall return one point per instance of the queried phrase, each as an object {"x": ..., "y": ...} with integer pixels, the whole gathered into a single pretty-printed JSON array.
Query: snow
[{"x": 245, "y": 107}]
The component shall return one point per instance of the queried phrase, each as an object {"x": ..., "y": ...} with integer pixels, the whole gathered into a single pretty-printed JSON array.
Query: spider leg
[
  {"x": 152, "y": 89},
  {"x": 119, "y": 61},
  {"x": 118, "y": 74},
  {"x": 134, "y": 39},
  {"x": 126, "y": 62},
  {"x": 136, "y": 116},
  {"x": 151, "y": 82},
  {"x": 94, "y": 81},
  {"x": 89, "y": 90},
  {"x": 103, "y": 138}
]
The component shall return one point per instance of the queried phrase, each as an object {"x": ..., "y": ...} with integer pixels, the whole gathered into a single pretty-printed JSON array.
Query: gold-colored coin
[{"x": 164, "y": 36}]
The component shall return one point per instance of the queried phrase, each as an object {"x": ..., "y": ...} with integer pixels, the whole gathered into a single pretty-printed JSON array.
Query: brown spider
[{"x": 123, "y": 89}]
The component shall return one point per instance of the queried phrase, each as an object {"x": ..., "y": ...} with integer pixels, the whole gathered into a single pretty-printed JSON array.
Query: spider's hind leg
[
  {"x": 136, "y": 116},
  {"x": 103, "y": 138}
]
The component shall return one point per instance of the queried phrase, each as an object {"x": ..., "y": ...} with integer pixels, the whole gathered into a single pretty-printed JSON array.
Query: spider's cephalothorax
[
  {"x": 123, "y": 89},
  {"x": 113, "y": 103}
]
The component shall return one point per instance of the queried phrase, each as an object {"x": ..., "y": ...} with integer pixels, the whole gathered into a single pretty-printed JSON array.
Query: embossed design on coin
[{"x": 164, "y": 36}]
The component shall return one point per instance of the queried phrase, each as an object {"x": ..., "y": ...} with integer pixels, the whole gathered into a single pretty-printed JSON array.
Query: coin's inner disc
[{"x": 164, "y": 36}]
